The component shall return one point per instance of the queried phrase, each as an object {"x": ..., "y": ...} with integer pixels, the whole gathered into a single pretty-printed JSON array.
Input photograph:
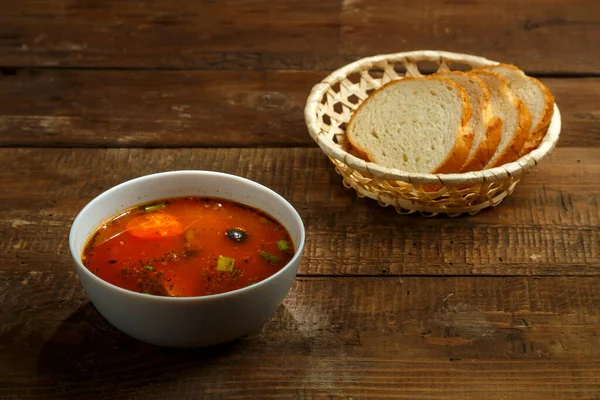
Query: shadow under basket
[{"x": 332, "y": 102}]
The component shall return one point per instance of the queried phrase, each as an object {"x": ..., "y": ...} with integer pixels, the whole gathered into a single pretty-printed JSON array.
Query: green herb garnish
[
  {"x": 283, "y": 245},
  {"x": 269, "y": 257},
  {"x": 149, "y": 267},
  {"x": 225, "y": 264},
  {"x": 154, "y": 207}
]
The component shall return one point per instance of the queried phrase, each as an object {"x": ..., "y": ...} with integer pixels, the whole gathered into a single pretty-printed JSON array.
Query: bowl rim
[
  {"x": 206, "y": 298},
  {"x": 333, "y": 150}
]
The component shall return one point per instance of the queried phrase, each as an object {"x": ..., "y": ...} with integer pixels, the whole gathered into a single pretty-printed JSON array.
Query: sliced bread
[
  {"x": 516, "y": 120},
  {"x": 414, "y": 124},
  {"x": 536, "y": 97},
  {"x": 485, "y": 125}
]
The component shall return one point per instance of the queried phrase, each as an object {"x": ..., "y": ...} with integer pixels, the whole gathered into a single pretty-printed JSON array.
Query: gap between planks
[{"x": 12, "y": 70}]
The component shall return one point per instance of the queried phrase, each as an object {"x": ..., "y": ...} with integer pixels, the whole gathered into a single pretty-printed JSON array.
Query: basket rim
[{"x": 333, "y": 150}]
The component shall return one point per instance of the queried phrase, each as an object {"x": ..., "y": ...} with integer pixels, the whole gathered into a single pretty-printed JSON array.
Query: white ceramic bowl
[{"x": 186, "y": 321}]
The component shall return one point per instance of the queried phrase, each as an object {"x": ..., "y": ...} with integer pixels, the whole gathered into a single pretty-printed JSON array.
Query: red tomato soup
[{"x": 190, "y": 246}]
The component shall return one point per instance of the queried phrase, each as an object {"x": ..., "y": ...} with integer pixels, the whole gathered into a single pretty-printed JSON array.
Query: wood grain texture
[
  {"x": 201, "y": 108},
  {"x": 549, "y": 226},
  {"x": 173, "y": 34},
  {"x": 543, "y": 36},
  {"x": 504, "y": 304},
  {"x": 155, "y": 108},
  {"x": 333, "y": 338}
]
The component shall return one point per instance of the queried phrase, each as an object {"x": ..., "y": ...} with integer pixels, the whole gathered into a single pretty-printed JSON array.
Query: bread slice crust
[
  {"x": 537, "y": 131},
  {"x": 491, "y": 125},
  {"x": 537, "y": 135},
  {"x": 511, "y": 152}
]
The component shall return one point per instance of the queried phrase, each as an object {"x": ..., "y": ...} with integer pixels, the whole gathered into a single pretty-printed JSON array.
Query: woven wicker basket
[{"x": 330, "y": 106}]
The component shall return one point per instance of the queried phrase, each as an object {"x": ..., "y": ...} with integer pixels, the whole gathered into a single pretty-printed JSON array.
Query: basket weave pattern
[{"x": 330, "y": 107}]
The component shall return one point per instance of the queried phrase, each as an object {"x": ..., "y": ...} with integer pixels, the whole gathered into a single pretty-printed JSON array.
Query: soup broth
[{"x": 190, "y": 246}]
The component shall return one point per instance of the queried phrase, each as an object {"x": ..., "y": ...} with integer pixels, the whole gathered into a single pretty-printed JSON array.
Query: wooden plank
[
  {"x": 549, "y": 226},
  {"x": 201, "y": 108},
  {"x": 580, "y": 119},
  {"x": 467, "y": 338},
  {"x": 541, "y": 36},
  {"x": 155, "y": 108},
  {"x": 170, "y": 34}
]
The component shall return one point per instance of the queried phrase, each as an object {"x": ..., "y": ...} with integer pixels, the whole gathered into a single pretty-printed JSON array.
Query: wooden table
[{"x": 501, "y": 305}]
